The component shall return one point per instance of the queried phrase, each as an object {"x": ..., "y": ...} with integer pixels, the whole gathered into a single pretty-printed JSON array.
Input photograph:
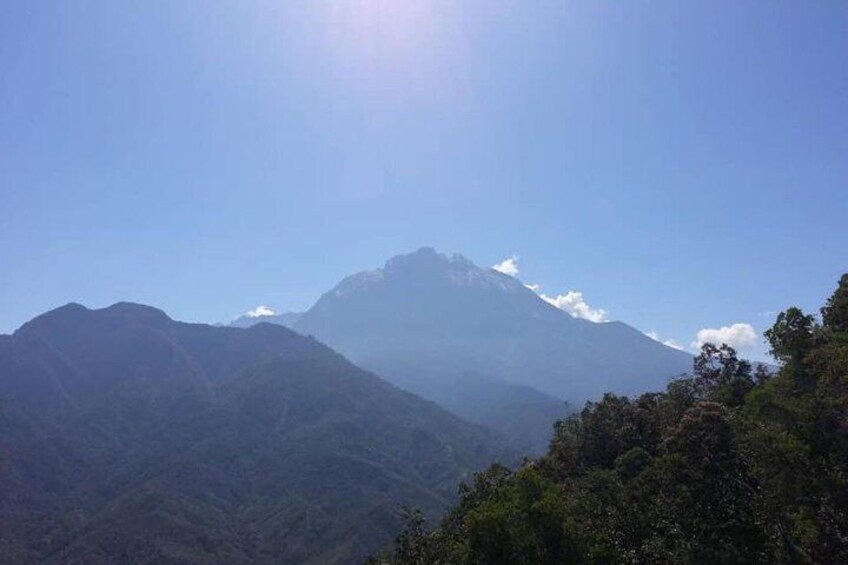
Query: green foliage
[
  {"x": 721, "y": 376},
  {"x": 173, "y": 443},
  {"x": 792, "y": 336},
  {"x": 835, "y": 312},
  {"x": 724, "y": 467}
]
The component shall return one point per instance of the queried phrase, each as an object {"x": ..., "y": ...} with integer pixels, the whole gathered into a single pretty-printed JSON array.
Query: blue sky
[{"x": 682, "y": 165}]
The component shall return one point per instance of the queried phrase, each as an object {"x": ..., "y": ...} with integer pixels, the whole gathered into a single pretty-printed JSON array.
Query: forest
[{"x": 729, "y": 465}]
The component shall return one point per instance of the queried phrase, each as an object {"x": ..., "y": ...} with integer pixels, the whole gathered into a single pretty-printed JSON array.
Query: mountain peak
[
  {"x": 425, "y": 257},
  {"x": 426, "y": 251},
  {"x": 445, "y": 312},
  {"x": 428, "y": 261},
  {"x": 68, "y": 313},
  {"x": 74, "y": 313},
  {"x": 136, "y": 312},
  {"x": 428, "y": 268}
]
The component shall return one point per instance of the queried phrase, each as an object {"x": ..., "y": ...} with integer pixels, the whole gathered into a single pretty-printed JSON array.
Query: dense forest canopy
[{"x": 726, "y": 466}]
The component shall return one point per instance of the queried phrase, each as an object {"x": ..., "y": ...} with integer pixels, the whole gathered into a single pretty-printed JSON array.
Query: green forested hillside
[
  {"x": 127, "y": 437},
  {"x": 728, "y": 466}
]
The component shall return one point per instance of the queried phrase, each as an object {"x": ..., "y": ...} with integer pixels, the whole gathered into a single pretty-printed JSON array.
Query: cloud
[
  {"x": 260, "y": 311},
  {"x": 508, "y": 266},
  {"x": 673, "y": 344},
  {"x": 573, "y": 303},
  {"x": 739, "y": 336},
  {"x": 668, "y": 342}
]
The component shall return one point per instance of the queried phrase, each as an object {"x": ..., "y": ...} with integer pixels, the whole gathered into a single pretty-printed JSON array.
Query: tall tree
[{"x": 835, "y": 312}]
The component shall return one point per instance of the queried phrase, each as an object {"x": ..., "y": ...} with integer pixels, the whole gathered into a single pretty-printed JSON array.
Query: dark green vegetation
[
  {"x": 729, "y": 466},
  {"x": 126, "y": 437}
]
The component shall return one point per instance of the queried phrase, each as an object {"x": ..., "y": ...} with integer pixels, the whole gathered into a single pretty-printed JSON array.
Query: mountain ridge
[{"x": 126, "y": 431}]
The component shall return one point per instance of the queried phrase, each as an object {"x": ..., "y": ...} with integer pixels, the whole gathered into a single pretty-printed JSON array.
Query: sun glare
[{"x": 395, "y": 44}]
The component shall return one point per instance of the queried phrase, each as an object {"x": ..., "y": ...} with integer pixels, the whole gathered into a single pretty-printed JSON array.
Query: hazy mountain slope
[
  {"x": 426, "y": 321},
  {"x": 287, "y": 319},
  {"x": 128, "y": 437},
  {"x": 518, "y": 412}
]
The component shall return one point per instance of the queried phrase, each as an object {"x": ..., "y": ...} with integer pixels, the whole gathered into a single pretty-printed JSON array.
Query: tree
[
  {"x": 835, "y": 312},
  {"x": 722, "y": 467},
  {"x": 712, "y": 488},
  {"x": 411, "y": 543},
  {"x": 791, "y": 338},
  {"x": 721, "y": 376}
]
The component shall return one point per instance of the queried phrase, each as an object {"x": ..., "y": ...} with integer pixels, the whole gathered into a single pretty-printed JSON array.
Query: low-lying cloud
[
  {"x": 573, "y": 303},
  {"x": 667, "y": 342},
  {"x": 508, "y": 266},
  {"x": 261, "y": 311}
]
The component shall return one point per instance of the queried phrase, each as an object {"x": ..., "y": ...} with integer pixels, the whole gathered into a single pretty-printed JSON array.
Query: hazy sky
[{"x": 683, "y": 165}]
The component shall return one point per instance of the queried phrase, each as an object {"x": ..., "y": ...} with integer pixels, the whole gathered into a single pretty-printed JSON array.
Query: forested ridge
[
  {"x": 727, "y": 465},
  {"x": 128, "y": 437}
]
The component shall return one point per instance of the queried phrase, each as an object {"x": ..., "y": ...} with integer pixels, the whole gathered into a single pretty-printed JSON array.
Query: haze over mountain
[
  {"x": 127, "y": 436},
  {"x": 460, "y": 334},
  {"x": 287, "y": 319},
  {"x": 518, "y": 412}
]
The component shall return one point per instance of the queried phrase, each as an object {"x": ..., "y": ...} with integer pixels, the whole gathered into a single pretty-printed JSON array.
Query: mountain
[
  {"x": 447, "y": 329},
  {"x": 522, "y": 414},
  {"x": 287, "y": 319},
  {"x": 128, "y": 437}
]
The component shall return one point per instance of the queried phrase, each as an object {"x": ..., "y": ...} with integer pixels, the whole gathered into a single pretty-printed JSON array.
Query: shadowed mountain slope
[{"x": 128, "y": 437}]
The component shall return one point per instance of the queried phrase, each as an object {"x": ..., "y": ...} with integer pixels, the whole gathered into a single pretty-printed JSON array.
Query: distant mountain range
[
  {"x": 482, "y": 344},
  {"x": 287, "y": 319},
  {"x": 128, "y": 437}
]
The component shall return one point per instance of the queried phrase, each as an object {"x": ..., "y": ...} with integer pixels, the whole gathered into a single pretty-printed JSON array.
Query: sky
[{"x": 680, "y": 166}]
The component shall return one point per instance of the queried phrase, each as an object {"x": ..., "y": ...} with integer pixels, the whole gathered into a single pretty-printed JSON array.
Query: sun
[{"x": 399, "y": 44}]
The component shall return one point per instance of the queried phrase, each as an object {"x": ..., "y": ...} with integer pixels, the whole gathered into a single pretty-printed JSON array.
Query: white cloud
[
  {"x": 673, "y": 344},
  {"x": 573, "y": 303},
  {"x": 508, "y": 266},
  {"x": 739, "y": 336},
  {"x": 668, "y": 342},
  {"x": 260, "y": 311}
]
